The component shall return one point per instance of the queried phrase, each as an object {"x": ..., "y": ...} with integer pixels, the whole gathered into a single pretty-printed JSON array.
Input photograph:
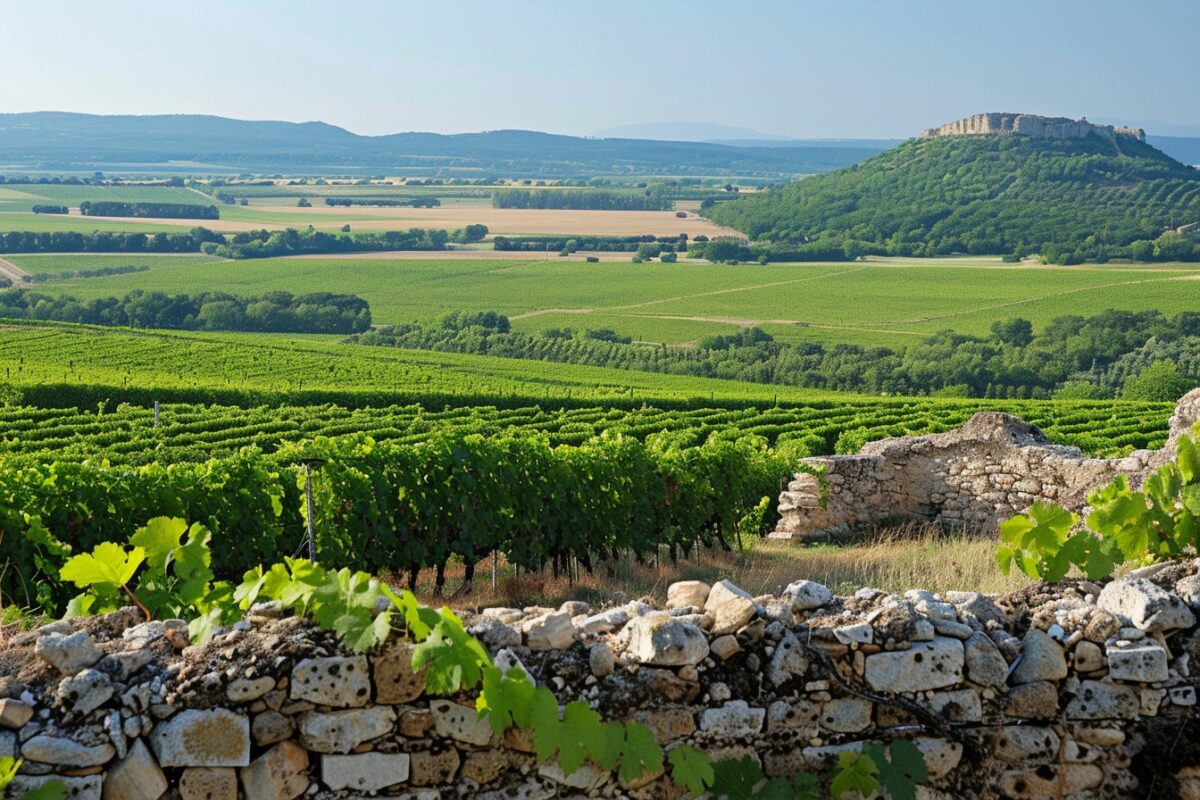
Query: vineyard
[{"x": 192, "y": 432}]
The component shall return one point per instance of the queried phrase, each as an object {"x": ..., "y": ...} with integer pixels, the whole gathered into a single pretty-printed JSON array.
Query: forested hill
[
  {"x": 993, "y": 194},
  {"x": 54, "y": 140}
]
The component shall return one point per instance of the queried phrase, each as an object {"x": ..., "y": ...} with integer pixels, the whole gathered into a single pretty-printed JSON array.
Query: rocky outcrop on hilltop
[{"x": 1030, "y": 125}]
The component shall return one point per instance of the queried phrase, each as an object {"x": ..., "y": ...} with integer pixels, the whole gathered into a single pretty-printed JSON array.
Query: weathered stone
[
  {"x": 368, "y": 772},
  {"x": 485, "y": 766},
  {"x": 789, "y": 660},
  {"x": 135, "y": 777},
  {"x": 725, "y": 646},
  {"x": 336, "y": 681},
  {"x": 601, "y": 660},
  {"x": 1017, "y": 744},
  {"x": 729, "y": 607},
  {"x": 434, "y": 767},
  {"x": 247, "y": 690},
  {"x": 14, "y": 714},
  {"x": 1144, "y": 604},
  {"x": 958, "y": 705},
  {"x": 585, "y": 779},
  {"x": 984, "y": 664},
  {"x": 68, "y": 653},
  {"x": 858, "y": 633},
  {"x": 270, "y": 727},
  {"x": 1041, "y": 659},
  {"x": 396, "y": 682},
  {"x": 668, "y": 724},
  {"x": 208, "y": 783},
  {"x": 807, "y": 595},
  {"x": 460, "y": 723},
  {"x": 665, "y": 642},
  {"x": 85, "y": 691},
  {"x": 1033, "y": 701},
  {"x": 846, "y": 715},
  {"x": 1051, "y": 781},
  {"x": 793, "y": 715},
  {"x": 66, "y": 753},
  {"x": 281, "y": 773},
  {"x": 1089, "y": 657},
  {"x": 928, "y": 665},
  {"x": 552, "y": 632},
  {"x": 194, "y": 738},
  {"x": 687, "y": 593},
  {"x": 1099, "y": 700},
  {"x": 1144, "y": 662},
  {"x": 735, "y": 718},
  {"x": 342, "y": 731}
]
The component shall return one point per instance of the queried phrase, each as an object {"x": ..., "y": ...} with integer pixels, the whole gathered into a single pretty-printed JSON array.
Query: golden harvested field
[{"x": 499, "y": 220}]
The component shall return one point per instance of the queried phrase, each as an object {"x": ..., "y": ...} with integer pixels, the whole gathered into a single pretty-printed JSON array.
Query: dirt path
[{"x": 13, "y": 272}]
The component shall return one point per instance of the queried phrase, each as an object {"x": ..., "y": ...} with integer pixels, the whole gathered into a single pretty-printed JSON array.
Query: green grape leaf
[
  {"x": 899, "y": 775},
  {"x": 247, "y": 592},
  {"x": 50, "y": 790},
  {"x": 1189, "y": 459},
  {"x": 158, "y": 538},
  {"x": 107, "y": 565},
  {"x": 781, "y": 789},
  {"x": 640, "y": 755},
  {"x": 543, "y": 719},
  {"x": 581, "y": 727},
  {"x": 8, "y": 770},
  {"x": 806, "y": 786},
  {"x": 854, "y": 772},
  {"x": 416, "y": 617},
  {"x": 506, "y": 699},
  {"x": 690, "y": 769},
  {"x": 735, "y": 778},
  {"x": 606, "y": 750}
]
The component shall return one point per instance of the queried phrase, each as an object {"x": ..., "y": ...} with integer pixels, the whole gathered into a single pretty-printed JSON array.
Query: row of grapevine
[
  {"x": 191, "y": 432},
  {"x": 398, "y": 507}
]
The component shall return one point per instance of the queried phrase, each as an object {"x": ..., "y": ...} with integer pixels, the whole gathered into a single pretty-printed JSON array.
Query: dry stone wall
[
  {"x": 1081, "y": 691},
  {"x": 991, "y": 468}
]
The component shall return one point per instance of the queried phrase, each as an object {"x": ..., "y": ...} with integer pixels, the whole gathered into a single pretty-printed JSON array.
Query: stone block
[
  {"x": 924, "y": 666},
  {"x": 336, "y": 681},
  {"x": 281, "y": 773},
  {"x": 135, "y": 777},
  {"x": 194, "y": 738},
  {"x": 208, "y": 783},
  {"x": 396, "y": 682},
  {"x": 368, "y": 772},
  {"x": 342, "y": 731}
]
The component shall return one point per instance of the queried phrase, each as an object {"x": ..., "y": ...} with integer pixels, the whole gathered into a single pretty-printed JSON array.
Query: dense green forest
[
  {"x": 652, "y": 199},
  {"x": 106, "y": 241},
  {"x": 290, "y": 242},
  {"x": 1071, "y": 201},
  {"x": 90, "y": 208},
  {"x": 276, "y": 312},
  {"x": 1134, "y": 355}
]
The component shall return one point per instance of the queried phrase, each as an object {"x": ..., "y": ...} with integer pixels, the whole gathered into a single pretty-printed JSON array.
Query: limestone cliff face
[{"x": 1030, "y": 125}]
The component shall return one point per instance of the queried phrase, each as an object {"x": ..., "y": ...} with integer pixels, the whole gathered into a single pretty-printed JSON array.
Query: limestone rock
[
  {"x": 194, "y": 738},
  {"x": 434, "y": 767},
  {"x": 729, "y": 607},
  {"x": 1020, "y": 743},
  {"x": 14, "y": 714},
  {"x": 858, "y": 633},
  {"x": 790, "y": 660},
  {"x": 460, "y": 723},
  {"x": 735, "y": 718},
  {"x": 342, "y": 731},
  {"x": 846, "y": 715},
  {"x": 1100, "y": 700},
  {"x": 1144, "y": 604},
  {"x": 1041, "y": 659},
  {"x": 247, "y": 690},
  {"x": 85, "y": 691},
  {"x": 687, "y": 593},
  {"x": 985, "y": 666},
  {"x": 601, "y": 660},
  {"x": 66, "y": 753},
  {"x": 552, "y": 632},
  {"x": 68, "y": 653},
  {"x": 270, "y": 727},
  {"x": 928, "y": 665},
  {"x": 368, "y": 772},
  {"x": 281, "y": 773},
  {"x": 807, "y": 595},
  {"x": 1144, "y": 662},
  {"x": 336, "y": 681},
  {"x": 665, "y": 641},
  {"x": 135, "y": 777},
  {"x": 208, "y": 783},
  {"x": 725, "y": 646},
  {"x": 1033, "y": 701},
  {"x": 1088, "y": 657},
  {"x": 396, "y": 682}
]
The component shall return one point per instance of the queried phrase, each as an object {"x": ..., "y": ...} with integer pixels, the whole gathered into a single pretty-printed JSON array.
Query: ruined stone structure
[
  {"x": 991, "y": 468},
  {"x": 1031, "y": 125},
  {"x": 1084, "y": 692}
]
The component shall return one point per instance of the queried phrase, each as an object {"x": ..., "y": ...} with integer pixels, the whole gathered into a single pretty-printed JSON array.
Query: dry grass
[{"x": 893, "y": 561}]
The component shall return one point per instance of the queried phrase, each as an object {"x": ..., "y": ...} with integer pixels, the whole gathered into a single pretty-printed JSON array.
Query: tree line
[
  {"x": 577, "y": 243},
  {"x": 275, "y": 312},
  {"x": 387, "y": 202},
  {"x": 1133, "y": 355},
  {"x": 652, "y": 199},
  {"x": 106, "y": 241},
  {"x": 108, "y": 208},
  {"x": 268, "y": 244}
]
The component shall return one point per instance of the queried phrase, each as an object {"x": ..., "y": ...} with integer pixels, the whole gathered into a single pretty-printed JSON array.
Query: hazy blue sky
[{"x": 808, "y": 69}]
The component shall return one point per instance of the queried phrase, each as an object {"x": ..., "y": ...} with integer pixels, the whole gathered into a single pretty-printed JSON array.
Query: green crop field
[{"x": 876, "y": 302}]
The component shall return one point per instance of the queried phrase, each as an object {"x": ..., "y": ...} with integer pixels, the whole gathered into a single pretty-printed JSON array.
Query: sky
[{"x": 848, "y": 68}]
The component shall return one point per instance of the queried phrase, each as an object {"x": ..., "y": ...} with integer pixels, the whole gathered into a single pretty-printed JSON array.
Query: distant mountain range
[{"x": 50, "y": 141}]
